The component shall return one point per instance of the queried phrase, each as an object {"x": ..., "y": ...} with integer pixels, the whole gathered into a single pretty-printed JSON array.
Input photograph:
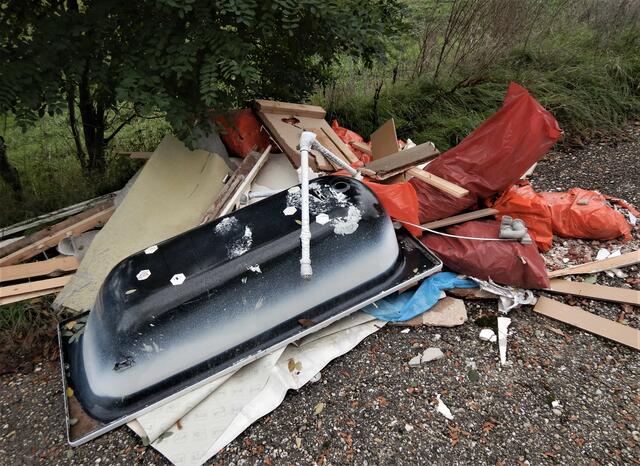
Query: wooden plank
[
  {"x": 38, "y": 269},
  {"x": 589, "y": 322},
  {"x": 401, "y": 161},
  {"x": 56, "y": 215},
  {"x": 623, "y": 260},
  {"x": 236, "y": 185},
  {"x": 601, "y": 292},
  {"x": 344, "y": 148},
  {"x": 54, "y": 238},
  {"x": 460, "y": 218},
  {"x": 323, "y": 163},
  {"x": 38, "y": 235},
  {"x": 39, "y": 285},
  {"x": 384, "y": 140},
  {"x": 25, "y": 296},
  {"x": 287, "y": 108},
  {"x": 443, "y": 185},
  {"x": 362, "y": 147}
]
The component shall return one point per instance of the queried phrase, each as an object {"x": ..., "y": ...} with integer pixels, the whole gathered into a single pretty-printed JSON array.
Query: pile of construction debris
[{"x": 471, "y": 206}]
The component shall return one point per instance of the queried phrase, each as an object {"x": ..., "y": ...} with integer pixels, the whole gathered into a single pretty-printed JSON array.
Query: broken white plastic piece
[
  {"x": 509, "y": 297},
  {"x": 503, "y": 325},
  {"x": 443, "y": 408},
  {"x": 143, "y": 274},
  {"x": 486, "y": 334},
  {"x": 178, "y": 279},
  {"x": 151, "y": 249}
]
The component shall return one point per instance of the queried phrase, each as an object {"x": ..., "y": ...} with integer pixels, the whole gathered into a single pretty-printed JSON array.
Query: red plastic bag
[
  {"x": 493, "y": 157},
  {"x": 579, "y": 213},
  {"x": 521, "y": 201},
  {"x": 348, "y": 137},
  {"x": 505, "y": 262},
  {"x": 241, "y": 131}
]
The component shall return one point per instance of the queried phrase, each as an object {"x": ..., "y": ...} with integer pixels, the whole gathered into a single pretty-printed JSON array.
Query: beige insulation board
[{"x": 170, "y": 195}]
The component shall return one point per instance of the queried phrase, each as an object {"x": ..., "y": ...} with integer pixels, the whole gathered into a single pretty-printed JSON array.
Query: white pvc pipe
[
  {"x": 306, "y": 141},
  {"x": 334, "y": 158}
]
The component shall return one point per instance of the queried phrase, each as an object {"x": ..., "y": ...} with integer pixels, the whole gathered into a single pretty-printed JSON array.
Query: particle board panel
[
  {"x": 384, "y": 141},
  {"x": 170, "y": 195}
]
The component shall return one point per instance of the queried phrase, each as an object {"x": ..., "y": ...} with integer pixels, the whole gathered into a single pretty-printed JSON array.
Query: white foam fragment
[
  {"x": 503, "y": 325},
  {"x": 486, "y": 334}
]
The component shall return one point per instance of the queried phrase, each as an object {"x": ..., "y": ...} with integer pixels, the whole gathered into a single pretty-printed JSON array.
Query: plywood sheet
[
  {"x": 170, "y": 196},
  {"x": 384, "y": 140},
  {"x": 403, "y": 160}
]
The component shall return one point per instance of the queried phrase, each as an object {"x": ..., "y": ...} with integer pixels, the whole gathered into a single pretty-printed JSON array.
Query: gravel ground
[{"x": 378, "y": 410}]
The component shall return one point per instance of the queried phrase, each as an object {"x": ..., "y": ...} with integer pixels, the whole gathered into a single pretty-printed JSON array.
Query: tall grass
[
  {"x": 50, "y": 173},
  {"x": 590, "y": 87}
]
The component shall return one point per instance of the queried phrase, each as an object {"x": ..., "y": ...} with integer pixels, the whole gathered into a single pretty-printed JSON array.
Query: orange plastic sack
[
  {"x": 348, "y": 137},
  {"x": 241, "y": 131},
  {"x": 399, "y": 200},
  {"x": 505, "y": 262},
  {"x": 493, "y": 157},
  {"x": 522, "y": 202},
  {"x": 579, "y": 213}
]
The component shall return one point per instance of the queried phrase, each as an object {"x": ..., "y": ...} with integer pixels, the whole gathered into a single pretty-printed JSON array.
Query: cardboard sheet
[
  {"x": 173, "y": 190},
  {"x": 215, "y": 414}
]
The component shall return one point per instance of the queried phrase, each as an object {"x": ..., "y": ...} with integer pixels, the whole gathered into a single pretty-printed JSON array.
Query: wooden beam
[
  {"x": 443, "y": 185},
  {"x": 402, "y": 161},
  {"x": 601, "y": 292},
  {"x": 362, "y": 147},
  {"x": 592, "y": 323},
  {"x": 237, "y": 184},
  {"x": 340, "y": 144},
  {"x": 38, "y": 235},
  {"x": 384, "y": 140},
  {"x": 29, "y": 287},
  {"x": 54, "y": 238},
  {"x": 623, "y": 260},
  {"x": 460, "y": 218},
  {"x": 136, "y": 155},
  {"x": 287, "y": 108},
  {"x": 38, "y": 269},
  {"x": 56, "y": 215},
  {"x": 30, "y": 295}
]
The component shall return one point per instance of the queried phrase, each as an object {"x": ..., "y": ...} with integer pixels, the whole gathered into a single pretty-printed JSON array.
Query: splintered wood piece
[
  {"x": 344, "y": 148},
  {"x": 402, "y": 161},
  {"x": 362, "y": 147},
  {"x": 236, "y": 185},
  {"x": 443, "y": 185},
  {"x": 592, "y": 323},
  {"x": 623, "y": 260},
  {"x": 38, "y": 269},
  {"x": 601, "y": 292},
  {"x": 460, "y": 218},
  {"x": 54, "y": 238},
  {"x": 328, "y": 143},
  {"x": 384, "y": 140}
]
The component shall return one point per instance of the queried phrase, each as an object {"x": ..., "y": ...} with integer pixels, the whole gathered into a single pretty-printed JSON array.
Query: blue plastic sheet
[{"x": 407, "y": 305}]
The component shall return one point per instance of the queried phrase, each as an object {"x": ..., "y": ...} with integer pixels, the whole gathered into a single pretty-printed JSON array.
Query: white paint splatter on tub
[
  {"x": 255, "y": 268},
  {"x": 225, "y": 225},
  {"x": 241, "y": 245},
  {"x": 349, "y": 224}
]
